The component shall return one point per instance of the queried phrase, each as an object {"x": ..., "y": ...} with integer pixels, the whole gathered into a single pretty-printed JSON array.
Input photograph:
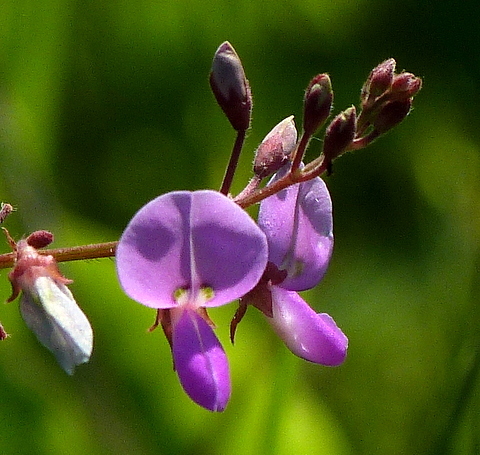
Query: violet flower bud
[
  {"x": 231, "y": 87},
  {"x": 274, "y": 150},
  {"x": 317, "y": 103},
  {"x": 339, "y": 134},
  {"x": 391, "y": 114},
  {"x": 379, "y": 80}
]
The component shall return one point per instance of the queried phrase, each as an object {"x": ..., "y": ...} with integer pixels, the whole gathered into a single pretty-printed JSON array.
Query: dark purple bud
[
  {"x": 274, "y": 150},
  {"x": 379, "y": 80},
  {"x": 230, "y": 87},
  {"x": 391, "y": 114},
  {"x": 317, "y": 103},
  {"x": 339, "y": 134},
  {"x": 406, "y": 85},
  {"x": 40, "y": 239}
]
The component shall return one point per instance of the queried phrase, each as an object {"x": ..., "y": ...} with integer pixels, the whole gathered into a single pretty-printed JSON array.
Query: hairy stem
[
  {"x": 75, "y": 253},
  {"x": 300, "y": 151},
  {"x": 298, "y": 176}
]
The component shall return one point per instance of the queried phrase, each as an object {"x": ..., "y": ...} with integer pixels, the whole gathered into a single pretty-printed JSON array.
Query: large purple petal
[
  {"x": 200, "y": 361},
  {"x": 311, "y": 336},
  {"x": 229, "y": 250},
  {"x": 152, "y": 256},
  {"x": 188, "y": 240},
  {"x": 298, "y": 224}
]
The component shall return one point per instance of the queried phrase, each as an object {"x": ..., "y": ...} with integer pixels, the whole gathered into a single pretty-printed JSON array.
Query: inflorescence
[{"x": 188, "y": 251}]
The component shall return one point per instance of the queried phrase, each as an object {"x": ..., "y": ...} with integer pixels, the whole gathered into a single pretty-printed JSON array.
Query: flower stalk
[{"x": 75, "y": 253}]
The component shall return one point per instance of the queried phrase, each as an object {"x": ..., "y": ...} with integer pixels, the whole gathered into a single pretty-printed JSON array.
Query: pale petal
[{"x": 50, "y": 311}]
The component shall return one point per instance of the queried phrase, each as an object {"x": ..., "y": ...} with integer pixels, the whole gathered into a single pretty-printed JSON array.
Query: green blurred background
[{"x": 105, "y": 105}]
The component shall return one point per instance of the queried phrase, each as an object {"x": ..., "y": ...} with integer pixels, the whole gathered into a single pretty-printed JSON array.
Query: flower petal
[
  {"x": 311, "y": 336},
  {"x": 200, "y": 361},
  {"x": 229, "y": 249},
  {"x": 189, "y": 240},
  {"x": 50, "y": 311},
  {"x": 298, "y": 224}
]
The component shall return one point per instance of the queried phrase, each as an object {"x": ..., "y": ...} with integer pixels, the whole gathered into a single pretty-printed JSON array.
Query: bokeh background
[{"x": 105, "y": 105}]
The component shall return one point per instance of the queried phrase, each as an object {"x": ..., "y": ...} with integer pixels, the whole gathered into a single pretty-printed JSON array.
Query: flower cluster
[
  {"x": 188, "y": 251},
  {"x": 185, "y": 252}
]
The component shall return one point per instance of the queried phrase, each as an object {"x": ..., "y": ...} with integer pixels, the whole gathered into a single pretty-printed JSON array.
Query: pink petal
[{"x": 311, "y": 336}]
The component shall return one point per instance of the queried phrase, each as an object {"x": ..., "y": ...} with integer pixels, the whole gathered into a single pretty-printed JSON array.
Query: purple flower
[
  {"x": 182, "y": 252},
  {"x": 299, "y": 228}
]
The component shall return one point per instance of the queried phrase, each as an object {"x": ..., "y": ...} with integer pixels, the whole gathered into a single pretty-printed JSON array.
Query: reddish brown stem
[
  {"x": 76, "y": 253},
  {"x": 307, "y": 173},
  {"x": 302, "y": 146},
  {"x": 232, "y": 165}
]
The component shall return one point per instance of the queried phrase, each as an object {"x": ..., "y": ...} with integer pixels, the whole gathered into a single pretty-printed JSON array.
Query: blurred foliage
[{"x": 104, "y": 105}]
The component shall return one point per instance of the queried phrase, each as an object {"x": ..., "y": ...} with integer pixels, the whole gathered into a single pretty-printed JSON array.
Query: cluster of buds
[
  {"x": 186, "y": 252},
  {"x": 386, "y": 99}
]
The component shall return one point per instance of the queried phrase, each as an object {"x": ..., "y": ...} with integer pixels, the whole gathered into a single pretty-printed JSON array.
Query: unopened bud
[
  {"x": 230, "y": 87},
  {"x": 406, "y": 85},
  {"x": 339, "y": 134},
  {"x": 379, "y": 80},
  {"x": 40, "y": 239},
  {"x": 391, "y": 114},
  {"x": 48, "y": 307},
  {"x": 274, "y": 150},
  {"x": 317, "y": 103}
]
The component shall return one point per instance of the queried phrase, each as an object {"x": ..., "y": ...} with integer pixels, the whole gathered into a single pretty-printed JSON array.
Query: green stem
[
  {"x": 464, "y": 398},
  {"x": 282, "y": 386}
]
